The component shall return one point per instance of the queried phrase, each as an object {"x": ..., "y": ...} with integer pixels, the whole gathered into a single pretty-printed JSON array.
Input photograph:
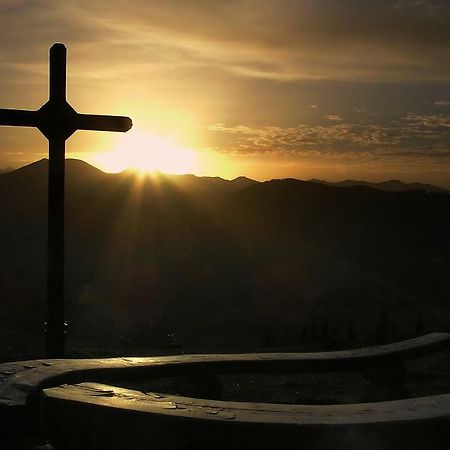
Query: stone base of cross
[{"x": 57, "y": 121}]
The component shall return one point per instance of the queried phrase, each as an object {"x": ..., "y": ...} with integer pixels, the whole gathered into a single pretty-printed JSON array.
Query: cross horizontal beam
[
  {"x": 102, "y": 123},
  {"x": 25, "y": 118},
  {"x": 18, "y": 117}
]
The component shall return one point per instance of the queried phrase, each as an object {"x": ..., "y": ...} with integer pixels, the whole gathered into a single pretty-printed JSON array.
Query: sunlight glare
[{"x": 146, "y": 152}]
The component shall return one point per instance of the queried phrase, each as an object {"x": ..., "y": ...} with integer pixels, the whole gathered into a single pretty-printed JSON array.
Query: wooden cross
[{"x": 57, "y": 121}]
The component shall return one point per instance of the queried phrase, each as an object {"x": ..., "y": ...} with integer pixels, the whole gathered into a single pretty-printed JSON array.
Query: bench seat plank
[
  {"x": 108, "y": 417},
  {"x": 432, "y": 407}
]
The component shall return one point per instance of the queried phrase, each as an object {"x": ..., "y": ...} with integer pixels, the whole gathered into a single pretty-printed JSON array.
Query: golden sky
[{"x": 289, "y": 88}]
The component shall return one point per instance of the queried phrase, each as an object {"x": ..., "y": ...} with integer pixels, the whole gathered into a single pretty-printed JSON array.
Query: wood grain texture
[
  {"x": 21, "y": 380},
  {"x": 433, "y": 407},
  {"x": 95, "y": 416}
]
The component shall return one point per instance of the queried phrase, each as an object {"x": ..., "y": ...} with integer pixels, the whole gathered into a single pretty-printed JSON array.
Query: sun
[{"x": 146, "y": 152}]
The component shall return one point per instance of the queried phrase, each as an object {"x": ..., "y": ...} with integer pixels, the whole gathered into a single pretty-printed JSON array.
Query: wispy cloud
[
  {"x": 334, "y": 117},
  {"x": 412, "y": 134},
  {"x": 283, "y": 40},
  {"x": 293, "y": 39}
]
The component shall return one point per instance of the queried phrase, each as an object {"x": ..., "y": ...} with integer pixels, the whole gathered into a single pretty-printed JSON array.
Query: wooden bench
[
  {"x": 50, "y": 397},
  {"x": 97, "y": 416}
]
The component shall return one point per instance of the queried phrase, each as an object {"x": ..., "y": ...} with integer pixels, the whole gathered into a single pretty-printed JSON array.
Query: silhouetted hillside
[
  {"x": 390, "y": 185},
  {"x": 211, "y": 263},
  {"x": 242, "y": 182}
]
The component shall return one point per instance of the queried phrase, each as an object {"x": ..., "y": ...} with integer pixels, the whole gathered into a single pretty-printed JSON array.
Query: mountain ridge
[
  {"x": 76, "y": 167},
  {"x": 388, "y": 185}
]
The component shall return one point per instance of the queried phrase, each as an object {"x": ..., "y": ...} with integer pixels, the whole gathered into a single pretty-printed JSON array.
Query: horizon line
[{"x": 10, "y": 169}]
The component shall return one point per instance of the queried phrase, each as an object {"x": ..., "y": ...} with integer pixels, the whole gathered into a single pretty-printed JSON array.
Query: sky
[{"x": 267, "y": 89}]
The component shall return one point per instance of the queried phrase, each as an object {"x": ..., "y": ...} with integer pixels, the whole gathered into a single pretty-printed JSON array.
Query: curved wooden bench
[
  {"x": 22, "y": 382},
  {"x": 97, "y": 416}
]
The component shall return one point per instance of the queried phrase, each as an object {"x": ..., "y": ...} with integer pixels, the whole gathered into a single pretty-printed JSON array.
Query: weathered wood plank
[
  {"x": 432, "y": 407},
  {"x": 21, "y": 380},
  {"x": 108, "y": 413}
]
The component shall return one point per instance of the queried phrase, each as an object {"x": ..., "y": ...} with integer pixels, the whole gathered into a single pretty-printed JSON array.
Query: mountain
[
  {"x": 210, "y": 184},
  {"x": 242, "y": 182},
  {"x": 390, "y": 185},
  {"x": 222, "y": 264}
]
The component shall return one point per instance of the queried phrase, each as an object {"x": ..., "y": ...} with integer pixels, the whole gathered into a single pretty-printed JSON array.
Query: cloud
[
  {"x": 413, "y": 134},
  {"x": 442, "y": 103},
  {"x": 291, "y": 39},
  {"x": 336, "y": 138},
  {"x": 429, "y": 154},
  {"x": 282, "y": 40}
]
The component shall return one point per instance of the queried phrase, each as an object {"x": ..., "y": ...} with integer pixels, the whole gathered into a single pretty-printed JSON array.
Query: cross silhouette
[{"x": 57, "y": 121}]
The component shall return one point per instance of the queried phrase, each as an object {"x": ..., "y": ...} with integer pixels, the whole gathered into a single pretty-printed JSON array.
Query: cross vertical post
[
  {"x": 57, "y": 121},
  {"x": 57, "y": 84},
  {"x": 55, "y": 250},
  {"x": 55, "y": 337}
]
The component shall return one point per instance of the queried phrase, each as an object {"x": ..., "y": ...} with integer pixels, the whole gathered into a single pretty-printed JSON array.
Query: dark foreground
[{"x": 79, "y": 404}]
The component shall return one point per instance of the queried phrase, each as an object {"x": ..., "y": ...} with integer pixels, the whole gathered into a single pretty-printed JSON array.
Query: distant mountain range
[
  {"x": 223, "y": 264},
  {"x": 242, "y": 181},
  {"x": 390, "y": 185}
]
